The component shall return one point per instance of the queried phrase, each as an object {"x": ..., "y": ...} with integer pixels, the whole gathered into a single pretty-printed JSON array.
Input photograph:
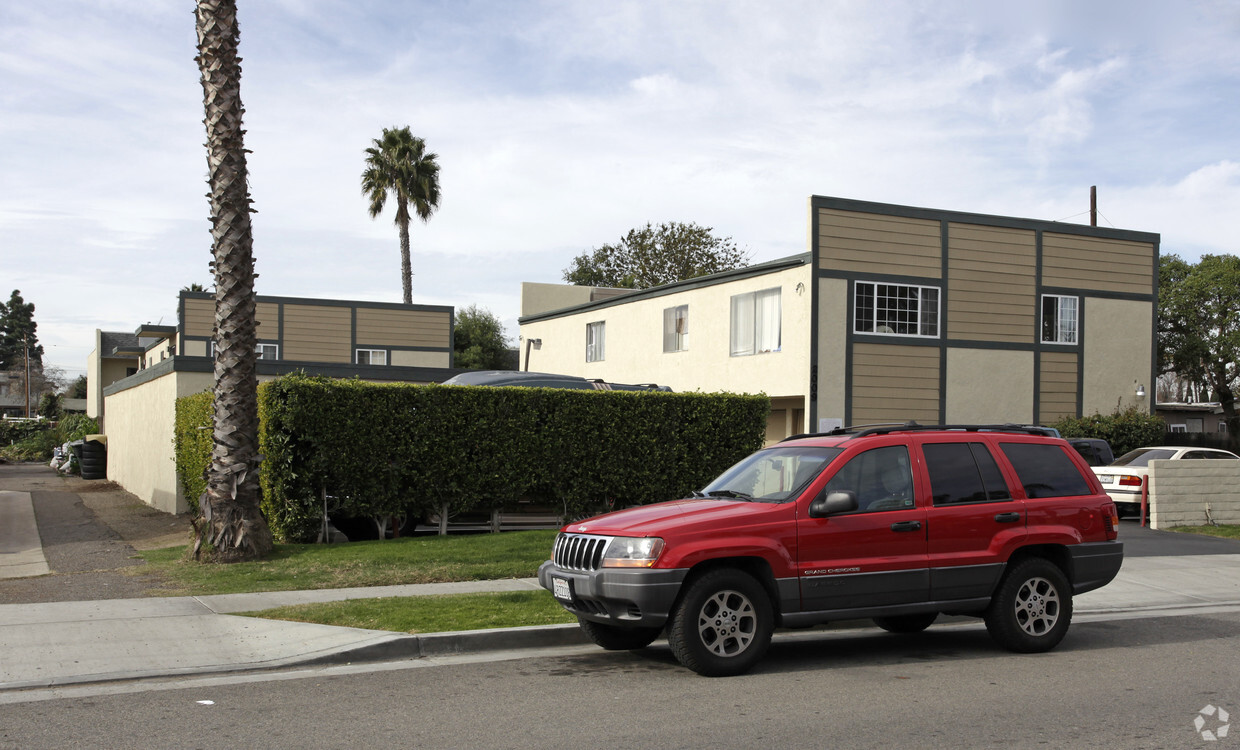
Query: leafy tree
[
  {"x": 77, "y": 389},
  {"x": 399, "y": 165},
  {"x": 650, "y": 256},
  {"x": 17, "y": 330},
  {"x": 231, "y": 525},
  {"x": 479, "y": 341},
  {"x": 1199, "y": 325}
]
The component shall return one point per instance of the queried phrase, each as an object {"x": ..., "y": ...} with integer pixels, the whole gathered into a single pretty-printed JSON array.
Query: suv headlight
[{"x": 632, "y": 552}]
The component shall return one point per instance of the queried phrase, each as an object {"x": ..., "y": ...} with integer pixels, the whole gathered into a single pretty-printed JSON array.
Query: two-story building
[
  {"x": 895, "y": 313},
  {"x": 133, "y": 380}
]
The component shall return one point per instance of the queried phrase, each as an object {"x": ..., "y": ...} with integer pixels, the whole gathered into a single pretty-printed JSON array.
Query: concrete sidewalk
[{"x": 65, "y": 643}]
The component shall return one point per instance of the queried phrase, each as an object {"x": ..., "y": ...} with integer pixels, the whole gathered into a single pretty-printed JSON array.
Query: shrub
[
  {"x": 1125, "y": 430},
  {"x": 398, "y": 449},
  {"x": 191, "y": 445}
]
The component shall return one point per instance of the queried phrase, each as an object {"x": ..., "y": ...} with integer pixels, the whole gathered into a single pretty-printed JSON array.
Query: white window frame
[
  {"x": 676, "y": 329},
  {"x": 925, "y": 313},
  {"x": 371, "y": 357},
  {"x": 596, "y": 341},
  {"x": 262, "y": 349},
  {"x": 1177, "y": 428},
  {"x": 1067, "y": 328},
  {"x": 756, "y": 322}
]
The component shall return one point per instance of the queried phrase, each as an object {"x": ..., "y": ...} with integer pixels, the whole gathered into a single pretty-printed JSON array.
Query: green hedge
[
  {"x": 192, "y": 445},
  {"x": 1124, "y": 430},
  {"x": 395, "y": 449}
]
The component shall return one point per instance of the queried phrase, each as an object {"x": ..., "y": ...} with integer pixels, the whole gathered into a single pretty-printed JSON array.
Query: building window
[
  {"x": 371, "y": 356},
  {"x": 676, "y": 329},
  {"x": 595, "y": 341},
  {"x": 1177, "y": 428},
  {"x": 756, "y": 322},
  {"x": 1059, "y": 319},
  {"x": 268, "y": 351},
  {"x": 896, "y": 309}
]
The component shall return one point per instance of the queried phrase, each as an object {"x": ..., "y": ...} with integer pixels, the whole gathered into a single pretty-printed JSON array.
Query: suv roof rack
[{"x": 857, "y": 431}]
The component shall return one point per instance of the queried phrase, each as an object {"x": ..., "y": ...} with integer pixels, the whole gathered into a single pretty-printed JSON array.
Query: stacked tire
[{"x": 94, "y": 460}]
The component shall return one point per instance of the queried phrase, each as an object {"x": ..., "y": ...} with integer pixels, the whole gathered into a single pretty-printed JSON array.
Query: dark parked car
[
  {"x": 496, "y": 378},
  {"x": 1095, "y": 452}
]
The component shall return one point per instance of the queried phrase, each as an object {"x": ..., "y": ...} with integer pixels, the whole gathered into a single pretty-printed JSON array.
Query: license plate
[
  {"x": 561, "y": 589},
  {"x": 1106, "y": 478}
]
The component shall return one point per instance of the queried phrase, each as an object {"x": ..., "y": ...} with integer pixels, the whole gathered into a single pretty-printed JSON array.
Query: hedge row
[
  {"x": 192, "y": 445},
  {"x": 1124, "y": 430},
  {"x": 384, "y": 449}
]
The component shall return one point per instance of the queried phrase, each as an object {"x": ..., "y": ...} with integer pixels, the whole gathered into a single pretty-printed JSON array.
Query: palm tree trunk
[
  {"x": 232, "y": 525},
  {"x": 406, "y": 266}
]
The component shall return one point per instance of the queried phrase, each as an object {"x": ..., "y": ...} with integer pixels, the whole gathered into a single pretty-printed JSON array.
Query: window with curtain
[
  {"x": 595, "y": 337},
  {"x": 1059, "y": 319},
  {"x": 896, "y": 309},
  {"x": 756, "y": 322},
  {"x": 676, "y": 329}
]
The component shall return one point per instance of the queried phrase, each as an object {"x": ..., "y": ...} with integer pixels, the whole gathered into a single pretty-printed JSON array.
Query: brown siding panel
[
  {"x": 854, "y": 241},
  {"x": 893, "y": 383},
  {"x": 1097, "y": 263},
  {"x": 1058, "y": 386},
  {"x": 268, "y": 316},
  {"x": 992, "y": 275},
  {"x": 199, "y": 317},
  {"x": 317, "y": 333},
  {"x": 378, "y": 327}
]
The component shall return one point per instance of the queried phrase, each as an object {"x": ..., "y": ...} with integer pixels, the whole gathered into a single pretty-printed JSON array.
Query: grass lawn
[
  {"x": 1228, "y": 532},
  {"x": 431, "y": 614},
  {"x": 422, "y": 559}
]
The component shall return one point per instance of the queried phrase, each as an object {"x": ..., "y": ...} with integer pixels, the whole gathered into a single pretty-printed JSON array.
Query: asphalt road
[{"x": 1133, "y": 683}]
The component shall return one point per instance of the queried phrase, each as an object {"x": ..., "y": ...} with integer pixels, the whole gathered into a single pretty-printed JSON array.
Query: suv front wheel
[
  {"x": 1032, "y": 608},
  {"x": 722, "y": 625}
]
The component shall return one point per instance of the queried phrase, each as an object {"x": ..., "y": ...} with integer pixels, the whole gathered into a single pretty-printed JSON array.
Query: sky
[{"x": 561, "y": 124}]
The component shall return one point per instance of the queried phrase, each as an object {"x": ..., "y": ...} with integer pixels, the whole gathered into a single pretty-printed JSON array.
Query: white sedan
[{"x": 1122, "y": 479}]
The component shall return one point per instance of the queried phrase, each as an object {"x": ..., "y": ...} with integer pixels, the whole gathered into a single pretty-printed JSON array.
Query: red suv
[{"x": 894, "y": 523}]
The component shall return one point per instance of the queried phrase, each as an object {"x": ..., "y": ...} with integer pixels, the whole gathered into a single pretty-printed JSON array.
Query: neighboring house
[
  {"x": 374, "y": 341},
  {"x": 1198, "y": 417},
  {"x": 895, "y": 313}
]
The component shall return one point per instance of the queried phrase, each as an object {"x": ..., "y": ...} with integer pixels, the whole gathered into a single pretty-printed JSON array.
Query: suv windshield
[
  {"x": 773, "y": 475},
  {"x": 1143, "y": 456}
]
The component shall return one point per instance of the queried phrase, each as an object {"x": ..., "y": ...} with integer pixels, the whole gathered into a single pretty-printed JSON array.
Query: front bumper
[{"x": 626, "y": 597}]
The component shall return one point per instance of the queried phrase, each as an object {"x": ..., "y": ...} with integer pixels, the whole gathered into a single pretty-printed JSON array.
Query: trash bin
[{"x": 93, "y": 457}]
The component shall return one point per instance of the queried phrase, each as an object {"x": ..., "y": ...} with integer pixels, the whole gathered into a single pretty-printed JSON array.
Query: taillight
[
  {"x": 1110, "y": 521},
  {"x": 1128, "y": 480}
]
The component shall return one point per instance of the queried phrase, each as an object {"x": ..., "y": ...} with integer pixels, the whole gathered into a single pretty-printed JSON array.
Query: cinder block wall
[{"x": 1182, "y": 491}]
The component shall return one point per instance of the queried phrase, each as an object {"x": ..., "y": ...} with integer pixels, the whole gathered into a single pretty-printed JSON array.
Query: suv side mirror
[{"x": 835, "y": 502}]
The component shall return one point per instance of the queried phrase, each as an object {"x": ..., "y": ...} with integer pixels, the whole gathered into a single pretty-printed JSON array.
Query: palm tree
[
  {"x": 399, "y": 164},
  {"x": 232, "y": 525}
]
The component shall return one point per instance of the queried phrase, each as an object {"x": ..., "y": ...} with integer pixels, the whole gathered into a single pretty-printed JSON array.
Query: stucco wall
[
  {"x": 985, "y": 386},
  {"x": 140, "y": 427},
  {"x": 1116, "y": 360},
  {"x": 1182, "y": 491},
  {"x": 634, "y": 340}
]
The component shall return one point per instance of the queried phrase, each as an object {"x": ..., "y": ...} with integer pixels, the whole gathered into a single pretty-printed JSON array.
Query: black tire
[
  {"x": 722, "y": 625},
  {"x": 907, "y": 623},
  {"x": 613, "y": 638},
  {"x": 1032, "y": 607}
]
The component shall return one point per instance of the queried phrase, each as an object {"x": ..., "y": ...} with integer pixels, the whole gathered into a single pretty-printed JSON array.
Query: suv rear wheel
[
  {"x": 1032, "y": 608},
  {"x": 613, "y": 638},
  {"x": 723, "y": 624}
]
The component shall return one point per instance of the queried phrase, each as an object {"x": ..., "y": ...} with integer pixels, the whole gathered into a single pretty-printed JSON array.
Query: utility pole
[
  {"x": 1093, "y": 205},
  {"x": 26, "y": 355}
]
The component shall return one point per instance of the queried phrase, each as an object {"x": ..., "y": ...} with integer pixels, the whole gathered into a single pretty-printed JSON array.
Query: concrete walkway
[{"x": 64, "y": 643}]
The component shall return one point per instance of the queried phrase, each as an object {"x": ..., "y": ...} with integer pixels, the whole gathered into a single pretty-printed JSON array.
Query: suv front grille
[{"x": 579, "y": 551}]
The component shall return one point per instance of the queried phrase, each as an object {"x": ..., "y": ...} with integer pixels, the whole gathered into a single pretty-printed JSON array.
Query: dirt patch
[{"x": 137, "y": 523}]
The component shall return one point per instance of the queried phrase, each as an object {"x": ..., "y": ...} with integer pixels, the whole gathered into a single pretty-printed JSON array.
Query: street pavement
[{"x": 74, "y": 642}]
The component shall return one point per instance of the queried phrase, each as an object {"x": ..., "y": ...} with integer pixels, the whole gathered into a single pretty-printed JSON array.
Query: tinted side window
[
  {"x": 963, "y": 473},
  {"x": 1045, "y": 470},
  {"x": 880, "y": 478}
]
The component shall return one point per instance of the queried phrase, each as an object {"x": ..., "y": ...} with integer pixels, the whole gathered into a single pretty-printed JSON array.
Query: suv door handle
[
  {"x": 1007, "y": 517},
  {"x": 906, "y": 526}
]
